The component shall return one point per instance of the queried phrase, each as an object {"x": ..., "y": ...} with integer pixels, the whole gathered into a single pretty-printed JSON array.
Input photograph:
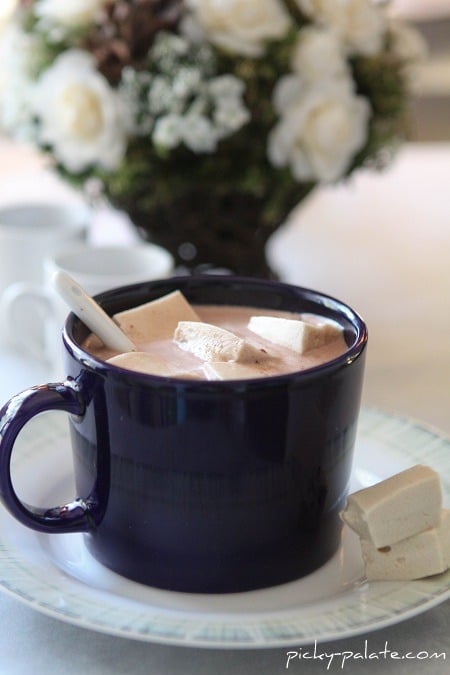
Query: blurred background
[
  {"x": 431, "y": 106},
  {"x": 380, "y": 241}
]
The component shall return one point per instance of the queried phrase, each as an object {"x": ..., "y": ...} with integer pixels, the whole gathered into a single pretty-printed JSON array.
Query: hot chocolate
[{"x": 220, "y": 342}]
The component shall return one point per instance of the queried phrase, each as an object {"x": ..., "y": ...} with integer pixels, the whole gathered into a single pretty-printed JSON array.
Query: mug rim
[
  {"x": 60, "y": 259},
  {"x": 354, "y": 350},
  {"x": 79, "y": 217}
]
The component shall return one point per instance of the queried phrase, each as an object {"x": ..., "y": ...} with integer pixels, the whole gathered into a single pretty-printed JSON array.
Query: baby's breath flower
[
  {"x": 168, "y": 131},
  {"x": 168, "y": 52},
  {"x": 161, "y": 97},
  {"x": 230, "y": 113},
  {"x": 184, "y": 101},
  {"x": 187, "y": 82},
  {"x": 229, "y": 119},
  {"x": 226, "y": 87},
  {"x": 199, "y": 133}
]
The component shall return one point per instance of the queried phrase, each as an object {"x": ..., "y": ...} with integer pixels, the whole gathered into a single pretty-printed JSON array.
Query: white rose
[
  {"x": 407, "y": 43},
  {"x": 68, "y": 13},
  {"x": 241, "y": 26},
  {"x": 287, "y": 92},
  {"x": 360, "y": 23},
  {"x": 318, "y": 54},
  {"x": 80, "y": 116},
  {"x": 7, "y": 9},
  {"x": 320, "y": 132},
  {"x": 18, "y": 50}
]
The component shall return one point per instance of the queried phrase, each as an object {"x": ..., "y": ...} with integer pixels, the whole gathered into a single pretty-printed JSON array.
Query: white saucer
[{"x": 56, "y": 575}]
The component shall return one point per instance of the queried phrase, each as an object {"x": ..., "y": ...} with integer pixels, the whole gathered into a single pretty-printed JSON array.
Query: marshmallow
[
  {"x": 300, "y": 336},
  {"x": 211, "y": 343},
  {"x": 150, "y": 364},
  {"x": 418, "y": 556},
  {"x": 156, "y": 319},
  {"x": 396, "y": 508}
]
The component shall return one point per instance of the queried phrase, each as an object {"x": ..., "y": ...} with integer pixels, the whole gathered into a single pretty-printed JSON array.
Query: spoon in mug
[{"x": 91, "y": 313}]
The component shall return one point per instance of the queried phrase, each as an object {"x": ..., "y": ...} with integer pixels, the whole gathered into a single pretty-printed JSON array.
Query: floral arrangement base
[{"x": 206, "y": 234}]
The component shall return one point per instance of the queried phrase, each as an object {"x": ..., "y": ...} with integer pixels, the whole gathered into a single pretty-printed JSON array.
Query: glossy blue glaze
[{"x": 209, "y": 486}]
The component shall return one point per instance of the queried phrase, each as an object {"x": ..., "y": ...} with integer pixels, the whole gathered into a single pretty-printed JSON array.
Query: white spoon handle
[{"x": 91, "y": 313}]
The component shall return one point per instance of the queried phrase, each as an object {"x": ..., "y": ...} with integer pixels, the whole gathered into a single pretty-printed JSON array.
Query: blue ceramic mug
[{"x": 202, "y": 486}]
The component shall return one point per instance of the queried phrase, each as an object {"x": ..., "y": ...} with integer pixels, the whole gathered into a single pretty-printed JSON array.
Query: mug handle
[
  {"x": 35, "y": 301},
  {"x": 76, "y": 516}
]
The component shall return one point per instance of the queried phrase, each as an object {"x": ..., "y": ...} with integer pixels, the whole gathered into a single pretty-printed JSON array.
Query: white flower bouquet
[{"x": 207, "y": 121}]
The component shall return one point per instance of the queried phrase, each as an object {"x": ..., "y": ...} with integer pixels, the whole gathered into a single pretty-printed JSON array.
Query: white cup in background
[
  {"x": 28, "y": 233},
  {"x": 97, "y": 269}
]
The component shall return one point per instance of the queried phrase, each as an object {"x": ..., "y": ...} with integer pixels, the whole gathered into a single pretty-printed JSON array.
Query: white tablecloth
[{"x": 382, "y": 243}]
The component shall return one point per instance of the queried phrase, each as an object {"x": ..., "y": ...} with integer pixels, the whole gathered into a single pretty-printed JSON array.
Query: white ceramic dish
[{"x": 56, "y": 575}]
